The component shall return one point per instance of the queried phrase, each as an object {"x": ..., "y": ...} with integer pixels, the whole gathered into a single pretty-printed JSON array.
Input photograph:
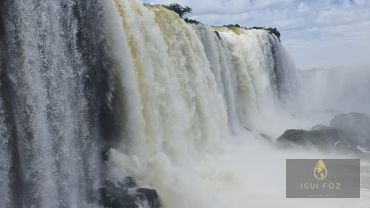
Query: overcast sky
[{"x": 318, "y": 33}]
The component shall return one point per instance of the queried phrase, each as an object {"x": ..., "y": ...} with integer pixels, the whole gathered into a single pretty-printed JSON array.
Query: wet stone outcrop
[
  {"x": 347, "y": 132},
  {"x": 126, "y": 194}
]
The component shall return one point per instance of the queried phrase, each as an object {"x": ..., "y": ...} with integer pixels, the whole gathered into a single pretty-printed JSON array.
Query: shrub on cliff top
[
  {"x": 180, "y": 10},
  {"x": 191, "y": 21},
  {"x": 232, "y": 25}
]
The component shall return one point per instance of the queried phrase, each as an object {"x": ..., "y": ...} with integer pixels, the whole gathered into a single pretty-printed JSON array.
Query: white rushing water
[
  {"x": 4, "y": 160},
  {"x": 265, "y": 75},
  {"x": 94, "y": 91},
  {"x": 48, "y": 148},
  {"x": 191, "y": 84},
  {"x": 167, "y": 72}
]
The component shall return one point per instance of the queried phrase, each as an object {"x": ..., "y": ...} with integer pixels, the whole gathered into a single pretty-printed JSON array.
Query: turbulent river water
[{"x": 98, "y": 90}]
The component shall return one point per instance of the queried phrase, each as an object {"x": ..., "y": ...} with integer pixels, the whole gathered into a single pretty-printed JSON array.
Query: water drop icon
[{"x": 320, "y": 172}]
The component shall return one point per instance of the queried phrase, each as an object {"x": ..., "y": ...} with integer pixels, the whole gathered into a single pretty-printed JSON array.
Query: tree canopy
[
  {"x": 191, "y": 21},
  {"x": 180, "y": 10},
  {"x": 232, "y": 25},
  {"x": 274, "y": 31},
  {"x": 271, "y": 30},
  {"x": 183, "y": 10}
]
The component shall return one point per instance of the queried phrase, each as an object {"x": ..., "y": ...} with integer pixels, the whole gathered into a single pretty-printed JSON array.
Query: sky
[{"x": 317, "y": 33}]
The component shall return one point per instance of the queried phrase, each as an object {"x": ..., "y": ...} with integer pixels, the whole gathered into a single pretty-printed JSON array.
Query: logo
[
  {"x": 319, "y": 178},
  {"x": 320, "y": 171}
]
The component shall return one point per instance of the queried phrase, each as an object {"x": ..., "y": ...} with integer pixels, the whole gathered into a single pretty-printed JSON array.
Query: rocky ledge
[
  {"x": 126, "y": 194},
  {"x": 347, "y": 132}
]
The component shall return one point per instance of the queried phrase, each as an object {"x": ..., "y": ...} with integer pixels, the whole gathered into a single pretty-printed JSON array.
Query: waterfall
[
  {"x": 252, "y": 69},
  {"x": 181, "y": 112},
  {"x": 5, "y": 160},
  {"x": 49, "y": 82},
  {"x": 194, "y": 87},
  {"x": 95, "y": 91},
  {"x": 220, "y": 61}
]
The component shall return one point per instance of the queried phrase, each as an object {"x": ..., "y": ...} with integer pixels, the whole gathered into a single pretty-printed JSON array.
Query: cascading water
[
  {"x": 190, "y": 84},
  {"x": 220, "y": 61},
  {"x": 252, "y": 70},
  {"x": 97, "y": 91},
  {"x": 264, "y": 77},
  {"x": 49, "y": 115},
  {"x": 176, "y": 88}
]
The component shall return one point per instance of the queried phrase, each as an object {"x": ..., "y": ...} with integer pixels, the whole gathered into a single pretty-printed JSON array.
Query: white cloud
[
  {"x": 303, "y": 7},
  {"x": 359, "y": 2}
]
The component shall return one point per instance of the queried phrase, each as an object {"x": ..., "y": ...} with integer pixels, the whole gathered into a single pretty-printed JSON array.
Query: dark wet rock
[
  {"x": 126, "y": 194},
  {"x": 148, "y": 195},
  {"x": 347, "y": 132},
  {"x": 324, "y": 139}
]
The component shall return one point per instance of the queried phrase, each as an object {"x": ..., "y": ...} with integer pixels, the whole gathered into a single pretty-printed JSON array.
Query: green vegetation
[
  {"x": 232, "y": 25},
  {"x": 180, "y": 10},
  {"x": 183, "y": 10},
  {"x": 271, "y": 30},
  {"x": 274, "y": 31},
  {"x": 191, "y": 21}
]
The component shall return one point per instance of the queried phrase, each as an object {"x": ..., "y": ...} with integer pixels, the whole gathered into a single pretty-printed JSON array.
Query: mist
[{"x": 118, "y": 104}]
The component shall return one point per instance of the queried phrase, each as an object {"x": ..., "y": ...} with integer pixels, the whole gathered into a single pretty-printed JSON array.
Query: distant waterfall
[
  {"x": 252, "y": 69},
  {"x": 100, "y": 90}
]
